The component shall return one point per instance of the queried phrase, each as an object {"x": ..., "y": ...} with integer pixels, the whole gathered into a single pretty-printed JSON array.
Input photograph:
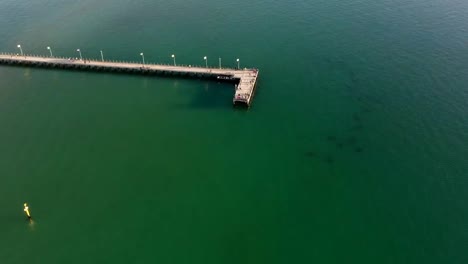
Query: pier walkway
[{"x": 245, "y": 79}]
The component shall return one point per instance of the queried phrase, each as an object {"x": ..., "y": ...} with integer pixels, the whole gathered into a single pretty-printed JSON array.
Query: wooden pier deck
[{"x": 245, "y": 79}]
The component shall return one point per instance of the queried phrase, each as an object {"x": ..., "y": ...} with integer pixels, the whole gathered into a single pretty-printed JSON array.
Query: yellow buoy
[{"x": 26, "y": 210}]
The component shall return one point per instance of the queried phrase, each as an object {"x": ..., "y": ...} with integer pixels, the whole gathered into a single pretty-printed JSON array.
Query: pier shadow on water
[{"x": 205, "y": 94}]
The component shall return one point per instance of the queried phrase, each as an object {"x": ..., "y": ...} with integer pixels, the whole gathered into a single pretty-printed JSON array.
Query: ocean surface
[{"x": 355, "y": 149}]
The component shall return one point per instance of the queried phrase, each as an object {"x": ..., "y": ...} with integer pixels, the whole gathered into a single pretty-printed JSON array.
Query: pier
[{"x": 244, "y": 80}]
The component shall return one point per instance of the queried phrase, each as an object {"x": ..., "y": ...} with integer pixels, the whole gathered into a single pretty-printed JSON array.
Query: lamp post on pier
[
  {"x": 220, "y": 62},
  {"x": 206, "y": 61},
  {"x": 143, "y": 57},
  {"x": 21, "y": 50},
  {"x": 50, "y": 50},
  {"x": 238, "y": 65},
  {"x": 102, "y": 56},
  {"x": 173, "y": 57},
  {"x": 79, "y": 51}
]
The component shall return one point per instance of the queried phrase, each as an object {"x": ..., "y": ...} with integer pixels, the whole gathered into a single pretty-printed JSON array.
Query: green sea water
[{"x": 354, "y": 150}]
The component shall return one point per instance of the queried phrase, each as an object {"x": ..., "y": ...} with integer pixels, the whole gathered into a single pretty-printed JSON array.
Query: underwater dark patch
[
  {"x": 351, "y": 140},
  {"x": 329, "y": 159},
  {"x": 365, "y": 110},
  {"x": 356, "y": 117},
  {"x": 357, "y": 127}
]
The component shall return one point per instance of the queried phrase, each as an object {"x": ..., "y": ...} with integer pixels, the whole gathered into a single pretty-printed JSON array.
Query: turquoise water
[{"x": 354, "y": 150}]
